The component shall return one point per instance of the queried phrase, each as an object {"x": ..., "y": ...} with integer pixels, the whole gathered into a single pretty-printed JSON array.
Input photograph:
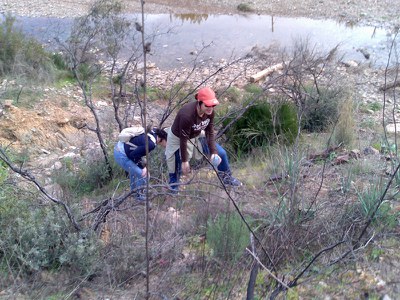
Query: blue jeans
[
  {"x": 135, "y": 173},
  {"x": 223, "y": 167}
]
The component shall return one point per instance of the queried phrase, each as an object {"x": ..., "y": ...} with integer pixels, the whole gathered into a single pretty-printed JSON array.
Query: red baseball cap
[{"x": 207, "y": 96}]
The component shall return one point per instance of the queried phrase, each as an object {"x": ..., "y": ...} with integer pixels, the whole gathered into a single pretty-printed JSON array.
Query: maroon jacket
[{"x": 188, "y": 124}]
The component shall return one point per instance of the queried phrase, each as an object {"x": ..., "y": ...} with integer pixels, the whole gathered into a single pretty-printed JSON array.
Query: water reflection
[
  {"x": 238, "y": 34},
  {"x": 191, "y": 18},
  {"x": 179, "y": 35}
]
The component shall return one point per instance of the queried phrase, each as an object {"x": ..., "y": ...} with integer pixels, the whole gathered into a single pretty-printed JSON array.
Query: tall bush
[
  {"x": 84, "y": 179},
  {"x": 369, "y": 202},
  {"x": 21, "y": 56},
  {"x": 228, "y": 237},
  {"x": 321, "y": 108},
  {"x": 344, "y": 130},
  {"x": 286, "y": 124},
  {"x": 37, "y": 236},
  {"x": 262, "y": 124}
]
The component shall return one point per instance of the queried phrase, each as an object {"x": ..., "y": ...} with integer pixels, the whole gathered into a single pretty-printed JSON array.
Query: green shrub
[
  {"x": 129, "y": 259},
  {"x": 59, "y": 61},
  {"x": 253, "y": 129},
  {"x": 244, "y": 7},
  {"x": 81, "y": 252},
  {"x": 64, "y": 74},
  {"x": 261, "y": 125},
  {"x": 3, "y": 173},
  {"x": 152, "y": 93},
  {"x": 87, "y": 72},
  {"x": 375, "y": 106},
  {"x": 36, "y": 237},
  {"x": 254, "y": 89},
  {"x": 158, "y": 164},
  {"x": 228, "y": 236},
  {"x": 233, "y": 95},
  {"x": 368, "y": 123},
  {"x": 344, "y": 130},
  {"x": 368, "y": 202},
  {"x": 11, "y": 41},
  {"x": 321, "y": 108},
  {"x": 86, "y": 178},
  {"x": 25, "y": 96},
  {"x": 286, "y": 123},
  {"x": 21, "y": 56}
]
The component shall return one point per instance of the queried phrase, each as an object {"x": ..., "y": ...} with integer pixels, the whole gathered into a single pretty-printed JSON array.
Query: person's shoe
[
  {"x": 140, "y": 198},
  {"x": 230, "y": 180}
]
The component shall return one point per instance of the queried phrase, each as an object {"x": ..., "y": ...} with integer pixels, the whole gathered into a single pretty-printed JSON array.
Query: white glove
[{"x": 215, "y": 160}]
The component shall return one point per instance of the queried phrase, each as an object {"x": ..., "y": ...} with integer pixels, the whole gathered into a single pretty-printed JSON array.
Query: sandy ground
[{"x": 383, "y": 13}]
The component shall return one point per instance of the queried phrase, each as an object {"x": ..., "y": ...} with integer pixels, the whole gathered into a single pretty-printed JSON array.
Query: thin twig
[
  {"x": 266, "y": 269},
  {"x": 236, "y": 206}
]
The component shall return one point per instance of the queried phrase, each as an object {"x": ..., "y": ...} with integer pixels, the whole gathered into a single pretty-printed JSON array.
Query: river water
[{"x": 233, "y": 36}]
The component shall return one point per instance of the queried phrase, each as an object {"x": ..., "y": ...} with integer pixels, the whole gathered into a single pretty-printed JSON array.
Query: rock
[
  {"x": 55, "y": 190},
  {"x": 57, "y": 165},
  {"x": 355, "y": 153},
  {"x": 69, "y": 155},
  {"x": 350, "y": 64},
  {"x": 369, "y": 111},
  {"x": 62, "y": 122},
  {"x": 93, "y": 154},
  {"x": 45, "y": 151},
  {"x": 8, "y": 103},
  {"x": 101, "y": 103},
  {"x": 342, "y": 159},
  {"x": 371, "y": 151},
  {"x": 323, "y": 284},
  {"x": 393, "y": 128},
  {"x": 380, "y": 285},
  {"x": 364, "y": 52}
]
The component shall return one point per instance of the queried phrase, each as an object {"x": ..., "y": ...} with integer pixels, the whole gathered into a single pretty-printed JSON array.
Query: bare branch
[
  {"x": 25, "y": 174},
  {"x": 236, "y": 206},
  {"x": 284, "y": 285}
]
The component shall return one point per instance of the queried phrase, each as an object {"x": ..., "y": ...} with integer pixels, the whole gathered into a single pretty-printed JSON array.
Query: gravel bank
[{"x": 382, "y": 13}]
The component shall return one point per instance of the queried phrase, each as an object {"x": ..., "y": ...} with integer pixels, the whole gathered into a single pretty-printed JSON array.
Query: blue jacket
[{"x": 135, "y": 154}]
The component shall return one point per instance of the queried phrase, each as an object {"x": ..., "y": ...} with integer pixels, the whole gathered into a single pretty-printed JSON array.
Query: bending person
[
  {"x": 131, "y": 157},
  {"x": 190, "y": 121}
]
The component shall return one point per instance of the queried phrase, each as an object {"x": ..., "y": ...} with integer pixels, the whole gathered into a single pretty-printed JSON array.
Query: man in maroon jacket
[{"x": 193, "y": 119}]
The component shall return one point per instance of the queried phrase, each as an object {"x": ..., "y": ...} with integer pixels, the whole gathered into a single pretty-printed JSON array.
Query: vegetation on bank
[
  {"x": 23, "y": 58},
  {"x": 308, "y": 202}
]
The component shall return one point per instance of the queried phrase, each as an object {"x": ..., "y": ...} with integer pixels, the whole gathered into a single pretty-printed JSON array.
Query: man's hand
[
  {"x": 144, "y": 172},
  {"x": 185, "y": 167}
]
